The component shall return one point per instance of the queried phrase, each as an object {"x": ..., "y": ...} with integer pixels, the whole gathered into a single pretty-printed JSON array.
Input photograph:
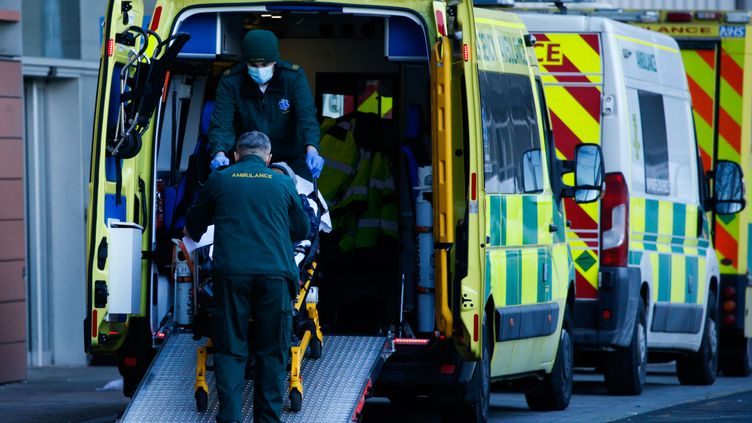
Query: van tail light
[{"x": 615, "y": 221}]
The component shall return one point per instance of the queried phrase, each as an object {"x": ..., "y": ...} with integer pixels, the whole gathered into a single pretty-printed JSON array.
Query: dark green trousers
[{"x": 266, "y": 299}]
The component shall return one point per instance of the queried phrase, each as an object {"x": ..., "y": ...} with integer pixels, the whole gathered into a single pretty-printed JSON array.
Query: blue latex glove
[
  {"x": 315, "y": 162},
  {"x": 219, "y": 160}
]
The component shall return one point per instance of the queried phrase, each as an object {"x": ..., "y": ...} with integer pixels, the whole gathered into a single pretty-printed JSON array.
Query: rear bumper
[
  {"x": 423, "y": 370},
  {"x": 619, "y": 292}
]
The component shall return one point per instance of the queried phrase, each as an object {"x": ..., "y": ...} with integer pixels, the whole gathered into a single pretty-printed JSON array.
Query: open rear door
[{"x": 116, "y": 192}]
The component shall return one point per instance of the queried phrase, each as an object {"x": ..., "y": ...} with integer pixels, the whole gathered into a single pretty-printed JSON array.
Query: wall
[{"x": 12, "y": 226}]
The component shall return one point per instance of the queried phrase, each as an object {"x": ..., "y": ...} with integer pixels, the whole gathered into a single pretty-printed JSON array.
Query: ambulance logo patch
[{"x": 284, "y": 104}]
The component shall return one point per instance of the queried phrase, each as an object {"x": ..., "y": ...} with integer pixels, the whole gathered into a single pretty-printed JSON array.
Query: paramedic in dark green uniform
[
  {"x": 266, "y": 94},
  {"x": 257, "y": 215}
]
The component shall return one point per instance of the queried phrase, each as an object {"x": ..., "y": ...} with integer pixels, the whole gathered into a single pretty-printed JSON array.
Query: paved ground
[
  {"x": 56, "y": 394},
  {"x": 63, "y": 394},
  {"x": 591, "y": 402}
]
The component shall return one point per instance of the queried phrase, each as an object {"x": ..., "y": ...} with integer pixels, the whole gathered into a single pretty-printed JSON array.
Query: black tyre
[
  {"x": 202, "y": 400},
  {"x": 477, "y": 393},
  {"x": 736, "y": 356},
  {"x": 701, "y": 368},
  {"x": 296, "y": 401},
  {"x": 315, "y": 347},
  {"x": 136, "y": 347},
  {"x": 625, "y": 369},
  {"x": 555, "y": 391}
]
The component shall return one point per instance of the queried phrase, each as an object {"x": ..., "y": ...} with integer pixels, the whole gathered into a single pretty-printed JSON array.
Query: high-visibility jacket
[
  {"x": 342, "y": 157},
  {"x": 379, "y": 218}
]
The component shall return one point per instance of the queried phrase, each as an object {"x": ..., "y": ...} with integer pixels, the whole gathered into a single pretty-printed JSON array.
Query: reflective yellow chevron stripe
[{"x": 573, "y": 75}]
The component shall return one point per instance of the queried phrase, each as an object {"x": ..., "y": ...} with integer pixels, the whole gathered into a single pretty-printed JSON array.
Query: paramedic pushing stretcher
[
  {"x": 266, "y": 94},
  {"x": 257, "y": 215}
]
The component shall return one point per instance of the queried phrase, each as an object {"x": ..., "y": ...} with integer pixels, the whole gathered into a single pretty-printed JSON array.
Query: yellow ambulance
[
  {"x": 648, "y": 282},
  {"x": 503, "y": 281}
]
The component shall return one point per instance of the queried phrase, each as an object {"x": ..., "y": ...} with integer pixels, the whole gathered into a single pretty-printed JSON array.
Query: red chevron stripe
[
  {"x": 580, "y": 220},
  {"x": 566, "y": 140},
  {"x": 590, "y": 99},
  {"x": 707, "y": 162},
  {"x": 708, "y": 56},
  {"x": 592, "y": 40},
  {"x": 583, "y": 289},
  {"x": 732, "y": 72},
  {"x": 541, "y": 37},
  {"x": 726, "y": 244},
  {"x": 729, "y": 129},
  {"x": 701, "y": 101}
]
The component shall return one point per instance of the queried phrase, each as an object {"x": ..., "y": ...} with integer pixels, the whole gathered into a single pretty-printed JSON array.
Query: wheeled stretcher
[{"x": 306, "y": 328}]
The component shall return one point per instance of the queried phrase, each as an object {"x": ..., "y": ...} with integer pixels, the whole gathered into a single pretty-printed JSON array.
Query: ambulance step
[{"x": 333, "y": 384}]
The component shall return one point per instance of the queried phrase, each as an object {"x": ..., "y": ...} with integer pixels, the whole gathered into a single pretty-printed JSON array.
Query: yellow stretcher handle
[{"x": 443, "y": 194}]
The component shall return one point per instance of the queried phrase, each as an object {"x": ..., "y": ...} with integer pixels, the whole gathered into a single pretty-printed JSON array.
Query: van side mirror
[
  {"x": 588, "y": 173},
  {"x": 728, "y": 188}
]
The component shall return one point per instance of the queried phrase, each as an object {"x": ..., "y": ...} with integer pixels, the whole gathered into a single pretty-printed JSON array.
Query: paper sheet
[{"x": 206, "y": 239}]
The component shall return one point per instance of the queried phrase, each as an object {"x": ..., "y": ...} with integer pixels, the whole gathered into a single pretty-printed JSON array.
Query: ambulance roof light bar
[
  {"x": 500, "y": 3},
  {"x": 737, "y": 17},
  {"x": 620, "y": 15}
]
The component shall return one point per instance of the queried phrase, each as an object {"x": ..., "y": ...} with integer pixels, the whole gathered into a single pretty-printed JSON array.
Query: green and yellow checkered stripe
[
  {"x": 667, "y": 233},
  {"x": 519, "y": 262}
]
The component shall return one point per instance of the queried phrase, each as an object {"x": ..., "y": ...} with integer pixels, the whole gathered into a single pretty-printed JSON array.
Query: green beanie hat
[{"x": 260, "y": 45}]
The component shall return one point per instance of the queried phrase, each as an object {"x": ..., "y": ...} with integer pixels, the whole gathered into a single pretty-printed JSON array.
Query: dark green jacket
[
  {"x": 286, "y": 113},
  {"x": 256, "y": 213}
]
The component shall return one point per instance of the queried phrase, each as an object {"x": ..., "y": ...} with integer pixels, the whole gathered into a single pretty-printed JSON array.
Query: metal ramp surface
[{"x": 332, "y": 385}]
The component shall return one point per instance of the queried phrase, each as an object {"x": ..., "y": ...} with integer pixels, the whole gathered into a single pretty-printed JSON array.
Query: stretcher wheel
[
  {"x": 315, "y": 348},
  {"x": 296, "y": 401},
  {"x": 202, "y": 400}
]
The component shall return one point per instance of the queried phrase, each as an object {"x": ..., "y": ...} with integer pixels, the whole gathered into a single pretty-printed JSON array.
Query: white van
[{"x": 647, "y": 275}]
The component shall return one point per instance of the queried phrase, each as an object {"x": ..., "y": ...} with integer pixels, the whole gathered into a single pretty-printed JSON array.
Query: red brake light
[
  {"x": 466, "y": 52},
  {"x": 606, "y": 314},
  {"x": 411, "y": 341},
  {"x": 615, "y": 221},
  {"x": 155, "y": 18},
  {"x": 729, "y": 292},
  {"x": 473, "y": 186},
  {"x": 476, "y": 327},
  {"x": 94, "y": 323},
  {"x": 440, "y": 23},
  {"x": 679, "y": 17},
  {"x": 110, "y": 47}
]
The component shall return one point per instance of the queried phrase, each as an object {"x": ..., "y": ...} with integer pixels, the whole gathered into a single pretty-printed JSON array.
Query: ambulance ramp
[{"x": 333, "y": 385}]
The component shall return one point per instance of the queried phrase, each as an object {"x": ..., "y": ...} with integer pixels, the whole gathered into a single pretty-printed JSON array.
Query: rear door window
[
  {"x": 654, "y": 143},
  {"x": 511, "y": 142}
]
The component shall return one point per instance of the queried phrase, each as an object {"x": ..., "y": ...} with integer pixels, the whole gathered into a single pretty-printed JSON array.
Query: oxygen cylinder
[
  {"x": 183, "y": 289},
  {"x": 424, "y": 229}
]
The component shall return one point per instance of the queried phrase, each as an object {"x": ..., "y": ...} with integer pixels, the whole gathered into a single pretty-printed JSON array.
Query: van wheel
[
  {"x": 701, "y": 368},
  {"x": 135, "y": 354},
  {"x": 555, "y": 391},
  {"x": 477, "y": 392},
  {"x": 625, "y": 369},
  {"x": 737, "y": 359}
]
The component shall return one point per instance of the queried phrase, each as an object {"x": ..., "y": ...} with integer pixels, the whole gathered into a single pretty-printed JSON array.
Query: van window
[
  {"x": 682, "y": 150},
  {"x": 654, "y": 143},
  {"x": 511, "y": 145}
]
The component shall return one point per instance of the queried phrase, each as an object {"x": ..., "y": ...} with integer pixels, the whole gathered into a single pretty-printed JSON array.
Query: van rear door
[
  {"x": 114, "y": 192},
  {"x": 572, "y": 70}
]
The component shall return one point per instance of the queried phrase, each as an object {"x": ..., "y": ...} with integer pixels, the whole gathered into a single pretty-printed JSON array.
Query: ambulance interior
[{"x": 370, "y": 79}]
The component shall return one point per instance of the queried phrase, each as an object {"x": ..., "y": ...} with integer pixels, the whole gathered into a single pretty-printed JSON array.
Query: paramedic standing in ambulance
[
  {"x": 257, "y": 214},
  {"x": 266, "y": 94}
]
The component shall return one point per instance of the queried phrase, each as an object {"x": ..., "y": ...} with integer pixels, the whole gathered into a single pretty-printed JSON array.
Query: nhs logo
[{"x": 732, "y": 32}]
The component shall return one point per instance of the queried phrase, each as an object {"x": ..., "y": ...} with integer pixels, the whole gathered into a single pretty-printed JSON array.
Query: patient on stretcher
[{"x": 319, "y": 221}]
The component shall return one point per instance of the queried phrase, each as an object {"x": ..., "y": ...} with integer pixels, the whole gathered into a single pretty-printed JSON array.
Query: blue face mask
[{"x": 261, "y": 75}]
